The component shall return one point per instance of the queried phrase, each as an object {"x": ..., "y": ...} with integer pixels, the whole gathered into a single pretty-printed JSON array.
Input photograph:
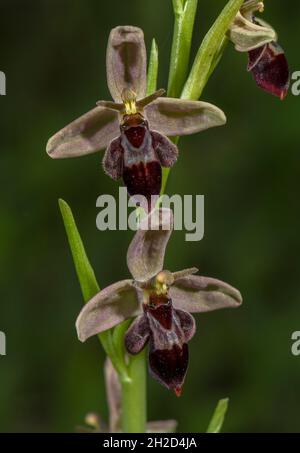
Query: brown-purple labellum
[
  {"x": 270, "y": 69},
  {"x": 168, "y": 353},
  {"x": 143, "y": 179},
  {"x": 142, "y": 173}
]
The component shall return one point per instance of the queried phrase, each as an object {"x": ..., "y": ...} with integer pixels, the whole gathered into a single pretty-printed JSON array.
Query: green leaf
[
  {"x": 208, "y": 50},
  {"x": 217, "y": 420},
  {"x": 218, "y": 57},
  {"x": 152, "y": 69},
  {"x": 185, "y": 12},
  {"x": 86, "y": 276},
  {"x": 88, "y": 283}
]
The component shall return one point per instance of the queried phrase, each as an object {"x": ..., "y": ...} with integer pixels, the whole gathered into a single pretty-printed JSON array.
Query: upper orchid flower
[
  {"x": 161, "y": 300},
  {"x": 267, "y": 61},
  {"x": 134, "y": 127}
]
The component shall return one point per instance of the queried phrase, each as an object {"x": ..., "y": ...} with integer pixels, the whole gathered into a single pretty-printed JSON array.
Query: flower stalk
[
  {"x": 134, "y": 397},
  {"x": 185, "y": 13},
  {"x": 208, "y": 50},
  {"x": 131, "y": 369},
  {"x": 134, "y": 390}
]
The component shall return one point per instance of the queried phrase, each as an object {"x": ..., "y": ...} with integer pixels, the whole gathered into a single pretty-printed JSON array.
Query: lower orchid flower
[
  {"x": 267, "y": 60},
  {"x": 161, "y": 300},
  {"x": 94, "y": 423},
  {"x": 133, "y": 129}
]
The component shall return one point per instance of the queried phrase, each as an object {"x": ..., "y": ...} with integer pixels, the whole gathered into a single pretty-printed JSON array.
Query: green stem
[
  {"x": 134, "y": 396},
  {"x": 184, "y": 13},
  {"x": 208, "y": 50},
  {"x": 207, "y": 59},
  {"x": 134, "y": 406}
]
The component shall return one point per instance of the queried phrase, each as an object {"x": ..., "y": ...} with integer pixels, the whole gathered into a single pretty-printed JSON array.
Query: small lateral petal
[
  {"x": 196, "y": 294},
  {"x": 88, "y": 134},
  {"x": 271, "y": 70},
  {"x": 184, "y": 273},
  {"x": 173, "y": 117},
  {"x": 166, "y": 150},
  {"x": 137, "y": 335},
  {"x": 145, "y": 256},
  {"x": 108, "y": 308},
  {"x": 187, "y": 323},
  {"x": 126, "y": 62},
  {"x": 113, "y": 161}
]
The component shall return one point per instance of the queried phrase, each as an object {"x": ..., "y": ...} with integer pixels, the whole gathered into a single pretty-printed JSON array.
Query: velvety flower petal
[
  {"x": 249, "y": 34},
  {"x": 88, "y": 134},
  {"x": 113, "y": 161},
  {"x": 108, "y": 308},
  {"x": 270, "y": 69},
  {"x": 201, "y": 294},
  {"x": 166, "y": 150},
  {"x": 179, "y": 117},
  {"x": 137, "y": 335},
  {"x": 126, "y": 62},
  {"x": 145, "y": 256},
  {"x": 187, "y": 323}
]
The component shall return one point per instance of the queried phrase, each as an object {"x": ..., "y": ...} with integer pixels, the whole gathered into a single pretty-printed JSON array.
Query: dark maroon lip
[
  {"x": 168, "y": 331},
  {"x": 143, "y": 179},
  {"x": 169, "y": 366},
  {"x": 270, "y": 69},
  {"x": 136, "y": 135}
]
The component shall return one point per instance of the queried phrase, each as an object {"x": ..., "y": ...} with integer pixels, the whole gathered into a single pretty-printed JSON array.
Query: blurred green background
[{"x": 53, "y": 54}]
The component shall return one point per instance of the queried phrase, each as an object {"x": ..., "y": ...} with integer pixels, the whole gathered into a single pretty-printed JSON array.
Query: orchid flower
[
  {"x": 161, "y": 300},
  {"x": 267, "y": 60},
  {"x": 134, "y": 128}
]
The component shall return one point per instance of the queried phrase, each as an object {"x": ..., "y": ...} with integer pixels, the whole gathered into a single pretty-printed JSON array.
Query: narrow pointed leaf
[
  {"x": 208, "y": 49},
  {"x": 184, "y": 12},
  {"x": 218, "y": 417},
  {"x": 152, "y": 69},
  {"x": 88, "y": 283}
]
